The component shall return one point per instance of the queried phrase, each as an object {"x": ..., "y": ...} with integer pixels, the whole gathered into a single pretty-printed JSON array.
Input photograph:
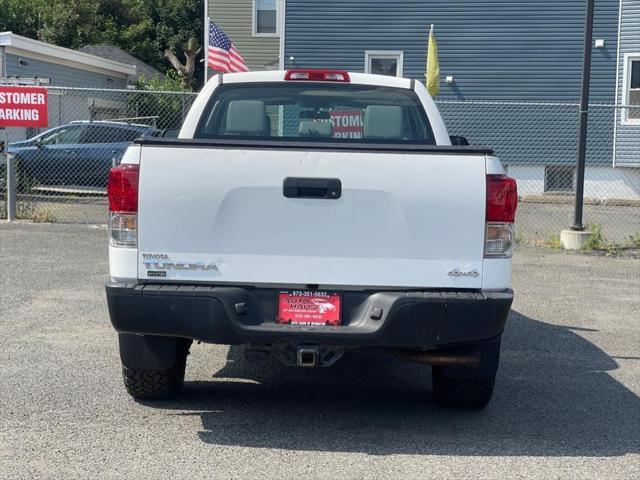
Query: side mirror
[
  {"x": 459, "y": 141},
  {"x": 38, "y": 143}
]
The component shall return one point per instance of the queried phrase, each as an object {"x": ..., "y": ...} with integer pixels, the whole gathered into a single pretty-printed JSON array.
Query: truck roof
[{"x": 355, "y": 78}]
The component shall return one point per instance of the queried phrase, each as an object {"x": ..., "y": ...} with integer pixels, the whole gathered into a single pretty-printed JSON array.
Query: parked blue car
[{"x": 76, "y": 154}]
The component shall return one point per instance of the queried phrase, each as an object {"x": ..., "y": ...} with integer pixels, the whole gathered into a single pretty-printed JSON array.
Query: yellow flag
[{"x": 432, "y": 76}]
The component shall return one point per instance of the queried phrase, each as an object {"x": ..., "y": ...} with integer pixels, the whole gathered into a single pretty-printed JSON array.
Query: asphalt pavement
[{"x": 566, "y": 403}]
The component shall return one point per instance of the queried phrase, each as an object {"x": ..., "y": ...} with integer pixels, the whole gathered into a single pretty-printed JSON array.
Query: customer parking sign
[{"x": 23, "y": 107}]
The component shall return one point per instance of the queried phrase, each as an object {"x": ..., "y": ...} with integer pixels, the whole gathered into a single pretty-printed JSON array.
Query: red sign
[
  {"x": 347, "y": 123},
  {"x": 23, "y": 107},
  {"x": 309, "y": 308}
]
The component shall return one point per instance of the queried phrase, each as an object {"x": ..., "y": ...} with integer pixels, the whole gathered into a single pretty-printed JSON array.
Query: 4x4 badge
[{"x": 456, "y": 272}]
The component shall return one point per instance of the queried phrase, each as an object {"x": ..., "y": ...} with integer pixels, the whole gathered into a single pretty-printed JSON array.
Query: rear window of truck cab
[{"x": 315, "y": 111}]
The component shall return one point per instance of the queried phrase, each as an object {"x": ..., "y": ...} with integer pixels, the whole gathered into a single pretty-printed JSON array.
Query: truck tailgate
[{"x": 219, "y": 215}]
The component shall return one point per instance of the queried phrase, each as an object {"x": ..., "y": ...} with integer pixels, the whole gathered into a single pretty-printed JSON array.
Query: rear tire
[
  {"x": 157, "y": 383},
  {"x": 467, "y": 393}
]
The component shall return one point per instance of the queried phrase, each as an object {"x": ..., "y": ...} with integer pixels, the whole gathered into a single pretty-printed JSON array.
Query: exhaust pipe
[{"x": 468, "y": 359}]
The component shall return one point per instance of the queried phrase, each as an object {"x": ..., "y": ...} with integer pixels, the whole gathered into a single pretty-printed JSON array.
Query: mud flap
[{"x": 146, "y": 352}]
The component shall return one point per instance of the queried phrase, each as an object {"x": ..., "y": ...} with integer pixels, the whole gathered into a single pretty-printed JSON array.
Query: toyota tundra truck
[{"x": 305, "y": 213}]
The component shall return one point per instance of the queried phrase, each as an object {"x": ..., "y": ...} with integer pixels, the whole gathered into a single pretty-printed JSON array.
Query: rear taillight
[
  {"x": 122, "y": 190},
  {"x": 502, "y": 198},
  {"x": 316, "y": 75},
  {"x": 502, "y": 201}
]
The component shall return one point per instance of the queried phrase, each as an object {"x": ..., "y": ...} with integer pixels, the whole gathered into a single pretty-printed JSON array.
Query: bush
[
  {"x": 634, "y": 240},
  {"x": 169, "y": 109},
  {"x": 553, "y": 241},
  {"x": 30, "y": 211},
  {"x": 596, "y": 240}
]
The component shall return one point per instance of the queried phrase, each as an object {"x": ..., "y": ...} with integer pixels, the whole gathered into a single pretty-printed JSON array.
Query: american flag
[{"x": 222, "y": 55}]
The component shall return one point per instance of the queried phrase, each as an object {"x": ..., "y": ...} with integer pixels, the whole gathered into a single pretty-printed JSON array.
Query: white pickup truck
[{"x": 305, "y": 213}]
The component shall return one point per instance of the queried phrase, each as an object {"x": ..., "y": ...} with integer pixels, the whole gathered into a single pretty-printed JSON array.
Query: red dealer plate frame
[{"x": 309, "y": 307}]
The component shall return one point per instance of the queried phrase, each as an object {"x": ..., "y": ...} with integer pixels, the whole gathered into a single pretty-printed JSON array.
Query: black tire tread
[{"x": 155, "y": 384}]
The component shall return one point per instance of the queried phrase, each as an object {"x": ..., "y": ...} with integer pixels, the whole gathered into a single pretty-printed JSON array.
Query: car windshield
[
  {"x": 62, "y": 135},
  {"x": 316, "y": 111}
]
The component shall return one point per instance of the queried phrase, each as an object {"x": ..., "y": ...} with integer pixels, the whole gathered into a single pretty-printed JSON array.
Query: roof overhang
[{"x": 29, "y": 48}]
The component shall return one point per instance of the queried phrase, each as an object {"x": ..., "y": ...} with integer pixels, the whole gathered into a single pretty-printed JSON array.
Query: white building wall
[{"x": 600, "y": 183}]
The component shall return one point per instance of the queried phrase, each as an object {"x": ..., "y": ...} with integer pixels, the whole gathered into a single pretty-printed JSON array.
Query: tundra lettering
[{"x": 161, "y": 265}]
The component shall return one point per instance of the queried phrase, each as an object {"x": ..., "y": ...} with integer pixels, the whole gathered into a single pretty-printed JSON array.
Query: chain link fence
[
  {"x": 62, "y": 171},
  {"x": 537, "y": 142}
]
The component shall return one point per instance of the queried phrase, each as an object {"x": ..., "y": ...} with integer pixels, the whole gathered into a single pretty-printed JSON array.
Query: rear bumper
[{"x": 425, "y": 319}]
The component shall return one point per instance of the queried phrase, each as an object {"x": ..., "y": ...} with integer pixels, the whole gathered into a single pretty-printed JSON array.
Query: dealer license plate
[{"x": 305, "y": 307}]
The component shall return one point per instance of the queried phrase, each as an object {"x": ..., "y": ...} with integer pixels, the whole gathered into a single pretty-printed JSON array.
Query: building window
[
  {"x": 383, "y": 63},
  {"x": 558, "y": 179},
  {"x": 631, "y": 88},
  {"x": 265, "y": 17}
]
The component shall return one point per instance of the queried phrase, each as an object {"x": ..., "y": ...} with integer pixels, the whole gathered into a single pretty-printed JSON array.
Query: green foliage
[
  {"x": 596, "y": 241},
  {"x": 170, "y": 83},
  {"x": 553, "y": 241},
  {"x": 634, "y": 240},
  {"x": 28, "y": 211},
  {"x": 22, "y": 16},
  {"x": 33, "y": 212},
  {"x": 144, "y": 28},
  {"x": 170, "y": 109}
]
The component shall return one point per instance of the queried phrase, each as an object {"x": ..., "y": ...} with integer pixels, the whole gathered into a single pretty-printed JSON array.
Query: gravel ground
[
  {"x": 566, "y": 403},
  {"x": 540, "y": 221}
]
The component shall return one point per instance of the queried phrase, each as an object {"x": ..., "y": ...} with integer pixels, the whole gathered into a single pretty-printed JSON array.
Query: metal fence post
[
  {"x": 11, "y": 185},
  {"x": 10, "y": 176},
  {"x": 584, "y": 115}
]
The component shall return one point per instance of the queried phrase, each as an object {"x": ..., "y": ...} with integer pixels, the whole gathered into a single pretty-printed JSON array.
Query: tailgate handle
[{"x": 300, "y": 187}]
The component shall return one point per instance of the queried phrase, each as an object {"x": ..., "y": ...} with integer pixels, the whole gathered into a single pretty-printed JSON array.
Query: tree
[
  {"x": 72, "y": 23},
  {"x": 178, "y": 24},
  {"x": 169, "y": 109},
  {"x": 187, "y": 70},
  {"x": 144, "y": 28},
  {"x": 22, "y": 17}
]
